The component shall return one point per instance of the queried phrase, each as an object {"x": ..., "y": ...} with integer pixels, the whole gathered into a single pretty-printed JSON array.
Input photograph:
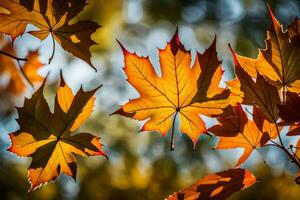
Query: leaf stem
[
  {"x": 279, "y": 136},
  {"x": 283, "y": 94},
  {"x": 274, "y": 145},
  {"x": 53, "y": 48},
  {"x": 172, "y": 145},
  {"x": 13, "y": 57}
]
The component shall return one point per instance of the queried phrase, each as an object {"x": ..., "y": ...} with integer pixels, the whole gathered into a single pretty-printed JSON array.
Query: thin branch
[
  {"x": 248, "y": 111},
  {"x": 273, "y": 145},
  {"x": 24, "y": 74},
  {"x": 282, "y": 147},
  {"x": 172, "y": 145},
  {"x": 13, "y": 57},
  {"x": 279, "y": 136},
  {"x": 295, "y": 152},
  {"x": 283, "y": 94},
  {"x": 294, "y": 160}
]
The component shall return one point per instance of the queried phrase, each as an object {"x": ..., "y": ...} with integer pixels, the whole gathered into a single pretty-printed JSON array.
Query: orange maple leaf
[
  {"x": 51, "y": 17},
  {"x": 181, "y": 90},
  {"x": 48, "y": 138},
  {"x": 279, "y": 62},
  {"x": 255, "y": 91},
  {"x": 237, "y": 131},
  {"x": 217, "y": 186}
]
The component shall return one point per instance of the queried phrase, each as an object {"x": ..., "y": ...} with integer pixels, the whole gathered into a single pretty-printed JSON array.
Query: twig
[
  {"x": 294, "y": 152},
  {"x": 24, "y": 74},
  {"x": 283, "y": 94},
  {"x": 282, "y": 147},
  {"x": 13, "y": 57},
  {"x": 278, "y": 132}
]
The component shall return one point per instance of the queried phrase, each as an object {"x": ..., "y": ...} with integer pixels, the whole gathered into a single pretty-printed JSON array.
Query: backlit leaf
[
  {"x": 279, "y": 61},
  {"x": 51, "y": 17},
  {"x": 259, "y": 92},
  {"x": 185, "y": 90},
  {"x": 48, "y": 138},
  {"x": 237, "y": 131},
  {"x": 217, "y": 186}
]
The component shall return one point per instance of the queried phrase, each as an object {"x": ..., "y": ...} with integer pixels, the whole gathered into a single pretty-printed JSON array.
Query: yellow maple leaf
[
  {"x": 182, "y": 90},
  {"x": 279, "y": 61},
  {"x": 48, "y": 137}
]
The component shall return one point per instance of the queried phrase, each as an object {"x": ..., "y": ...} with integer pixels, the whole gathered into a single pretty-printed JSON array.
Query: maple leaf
[
  {"x": 217, "y": 186},
  {"x": 181, "y": 90},
  {"x": 48, "y": 137},
  {"x": 257, "y": 92},
  {"x": 51, "y": 17},
  {"x": 279, "y": 61},
  {"x": 237, "y": 131},
  {"x": 268, "y": 129},
  {"x": 16, "y": 84}
]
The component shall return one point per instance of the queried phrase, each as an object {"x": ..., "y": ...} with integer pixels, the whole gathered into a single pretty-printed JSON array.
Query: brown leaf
[
  {"x": 217, "y": 186},
  {"x": 294, "y": 130},
  {"x": 257, "y": 92},
  {"x": 237, "y": 131},
  {"x": 290, "y": 110},
  {"x": 279, "y": 62},
  {"x": 51, "y": 17}
]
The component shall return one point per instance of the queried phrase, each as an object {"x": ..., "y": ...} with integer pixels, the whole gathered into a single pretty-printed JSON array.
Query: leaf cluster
[{"x": 185, "y": 92}]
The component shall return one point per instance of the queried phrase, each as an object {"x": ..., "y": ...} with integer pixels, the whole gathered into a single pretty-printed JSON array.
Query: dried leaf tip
[
  {"x": 124, "y": 50},
  {"x": 176, "y": 43},
  {"x": 273, "y": 18},
  {"x": 123, "y": 113},
  {"x": 235, "y": 60}
]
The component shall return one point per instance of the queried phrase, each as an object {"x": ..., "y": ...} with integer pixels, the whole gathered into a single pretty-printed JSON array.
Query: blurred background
[{"x": 141, "y": 165}]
